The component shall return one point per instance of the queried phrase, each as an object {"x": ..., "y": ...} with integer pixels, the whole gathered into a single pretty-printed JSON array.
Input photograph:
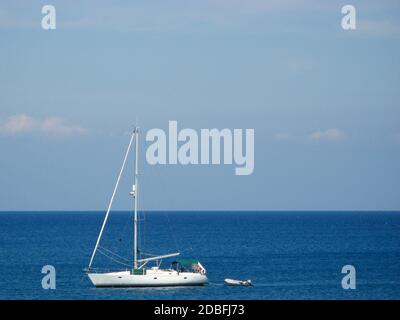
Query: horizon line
[{"x": 206, "y": 210}]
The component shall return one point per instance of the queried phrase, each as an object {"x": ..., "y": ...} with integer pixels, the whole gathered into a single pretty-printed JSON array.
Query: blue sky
[{"x": 324, "y": 102}]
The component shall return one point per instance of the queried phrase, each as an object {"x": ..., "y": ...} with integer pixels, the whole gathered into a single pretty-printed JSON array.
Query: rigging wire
[
  {"x": 111, "y": 200},
  {"x": 114, "y": 254},
  {"x": 111, "y": 258},
  {"x": 116, "y": 243},
  {"x": 143, "y": 230}
]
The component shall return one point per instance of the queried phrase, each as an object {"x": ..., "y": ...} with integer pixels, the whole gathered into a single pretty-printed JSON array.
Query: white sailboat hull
[{"x": 159, "y": 278}]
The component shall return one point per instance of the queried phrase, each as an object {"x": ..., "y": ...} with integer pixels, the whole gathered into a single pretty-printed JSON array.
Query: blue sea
[{"x": 287, "y": 255}]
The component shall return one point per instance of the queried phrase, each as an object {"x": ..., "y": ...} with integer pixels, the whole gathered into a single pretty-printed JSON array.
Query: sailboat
[{"x": 184, "y": 272}]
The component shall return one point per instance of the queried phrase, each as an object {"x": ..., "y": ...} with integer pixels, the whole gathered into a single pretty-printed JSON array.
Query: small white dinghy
[{"x": 233, "y": 282}]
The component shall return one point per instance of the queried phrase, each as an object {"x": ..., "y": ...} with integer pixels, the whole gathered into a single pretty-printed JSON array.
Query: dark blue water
[{"x": 287, "y": 255}]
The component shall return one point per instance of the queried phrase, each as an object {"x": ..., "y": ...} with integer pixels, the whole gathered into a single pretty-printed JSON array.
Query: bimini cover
[{"x": 187, "y": 262}]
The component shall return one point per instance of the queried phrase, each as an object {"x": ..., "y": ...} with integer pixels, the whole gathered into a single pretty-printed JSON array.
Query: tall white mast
[{"x": 135, "y": 258}]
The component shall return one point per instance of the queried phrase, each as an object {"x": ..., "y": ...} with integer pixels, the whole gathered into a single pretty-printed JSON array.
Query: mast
[{"x": 135, "y": 243}]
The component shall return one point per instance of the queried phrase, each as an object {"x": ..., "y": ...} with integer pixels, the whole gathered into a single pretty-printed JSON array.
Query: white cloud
[
  {"x": 24, "y": 124},
  {"x": 18, "y": 124},
  {"x": 58, "y": 126},
  {"x": 327, "y": 135}
]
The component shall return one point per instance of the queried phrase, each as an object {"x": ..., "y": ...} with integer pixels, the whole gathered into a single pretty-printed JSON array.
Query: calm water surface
[{"x": 287, "y": 255}]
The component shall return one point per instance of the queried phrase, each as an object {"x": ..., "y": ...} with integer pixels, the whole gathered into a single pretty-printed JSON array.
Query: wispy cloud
[
  {"x": 144, "y": 15},
  {"x": 327, "y": 135},
  {"x": 18, "y": 124},
  {"x": 25, "y": 124},
  {"x": 333, "y": 134}
]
